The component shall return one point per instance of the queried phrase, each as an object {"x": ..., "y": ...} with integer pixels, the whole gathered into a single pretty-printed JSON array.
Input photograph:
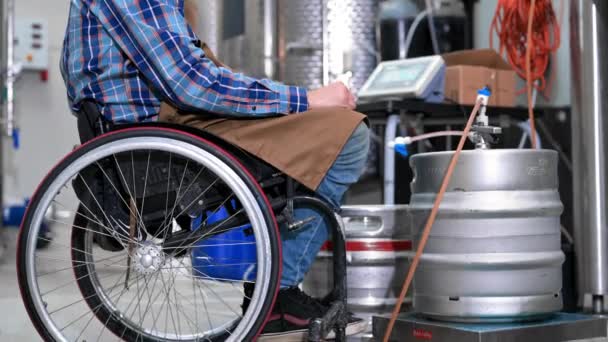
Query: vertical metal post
[
  {"x": 270, "y": 38},
  {"x": 6, "y": 79},
  {"x": 589, "y": 52},
  {"x": 325, "y": 35},
  {"x": 10, "y": 66},
  {"x": 390, "y": 133}
]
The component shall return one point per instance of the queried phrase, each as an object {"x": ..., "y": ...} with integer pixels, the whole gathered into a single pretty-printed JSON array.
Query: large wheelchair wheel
[{"x": 160, "y": 232}]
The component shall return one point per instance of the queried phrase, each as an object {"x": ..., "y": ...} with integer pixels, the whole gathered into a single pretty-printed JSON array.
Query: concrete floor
[
  {"x": 15, "y": 324},
  {"x": 77, "y": 319}
]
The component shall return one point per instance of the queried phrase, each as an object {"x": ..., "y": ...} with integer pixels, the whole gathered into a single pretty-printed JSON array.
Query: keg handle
[{"x": 484, "y": 136}]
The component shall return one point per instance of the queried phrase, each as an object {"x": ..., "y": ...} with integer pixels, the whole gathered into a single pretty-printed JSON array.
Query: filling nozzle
[
  {"x": 483, "y": 95},
  {"x": 482, "y": 131}
]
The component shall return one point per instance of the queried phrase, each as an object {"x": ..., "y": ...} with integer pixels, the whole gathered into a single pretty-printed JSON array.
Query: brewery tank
[{"x": 323, "y": 40}]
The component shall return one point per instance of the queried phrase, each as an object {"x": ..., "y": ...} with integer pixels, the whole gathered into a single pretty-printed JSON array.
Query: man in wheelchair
[{"x": 132, "y": 62}]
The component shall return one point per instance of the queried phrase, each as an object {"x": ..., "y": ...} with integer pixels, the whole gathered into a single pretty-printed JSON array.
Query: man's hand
[{"x": 333, "y": 95}]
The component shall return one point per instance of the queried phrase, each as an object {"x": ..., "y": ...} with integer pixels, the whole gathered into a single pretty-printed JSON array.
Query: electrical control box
[{"x": 32, "y": 44}]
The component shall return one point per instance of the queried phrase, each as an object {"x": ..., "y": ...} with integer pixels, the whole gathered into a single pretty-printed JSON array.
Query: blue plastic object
[
  {"x": 402, "y": 150},
  {"x": 229, "y": 256},
  {"x": 16, "y": 138},
  {"x": 13, "y": 214},
  {"x": 484, "y": 91}
]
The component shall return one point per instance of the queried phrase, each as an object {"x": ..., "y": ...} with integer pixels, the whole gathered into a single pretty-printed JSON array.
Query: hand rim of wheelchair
[{"x": 196, "y": 148}]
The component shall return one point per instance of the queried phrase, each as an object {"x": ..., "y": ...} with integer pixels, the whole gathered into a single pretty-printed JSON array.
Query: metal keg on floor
[
  {"x": 378, "y": 239},
  {"x": 494, "y": 251}
]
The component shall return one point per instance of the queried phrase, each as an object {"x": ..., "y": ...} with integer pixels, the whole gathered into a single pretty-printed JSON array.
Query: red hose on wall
[
  {"x": 529, "y": 33},
  {"x": 511, "y": 21}
]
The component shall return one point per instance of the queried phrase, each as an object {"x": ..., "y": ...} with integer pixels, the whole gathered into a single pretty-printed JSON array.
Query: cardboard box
[{"x": 469, "y": 70}]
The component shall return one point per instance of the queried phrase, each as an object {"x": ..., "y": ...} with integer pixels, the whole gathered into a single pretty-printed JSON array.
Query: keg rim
[{"x": 490, "y": 151}]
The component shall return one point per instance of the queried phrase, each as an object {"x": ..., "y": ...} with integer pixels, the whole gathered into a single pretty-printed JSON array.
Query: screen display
[{"x": 398, "y": 76}]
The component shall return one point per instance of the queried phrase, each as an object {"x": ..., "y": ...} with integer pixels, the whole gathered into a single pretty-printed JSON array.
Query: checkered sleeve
[{"x": 155, "y": 37}]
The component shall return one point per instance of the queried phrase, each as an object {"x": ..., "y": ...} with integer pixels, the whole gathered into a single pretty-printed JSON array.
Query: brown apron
[{"x": 303, "y": 145}]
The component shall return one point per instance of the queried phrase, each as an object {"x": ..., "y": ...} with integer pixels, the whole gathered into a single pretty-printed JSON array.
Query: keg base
[
  {"x": 490, "y": 320},
  {"x": 560, "y": 327},
  {"x": 488, "y": 309}
]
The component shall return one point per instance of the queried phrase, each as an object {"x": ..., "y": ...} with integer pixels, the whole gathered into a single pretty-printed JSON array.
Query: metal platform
[{"x": 560, "y": 327}]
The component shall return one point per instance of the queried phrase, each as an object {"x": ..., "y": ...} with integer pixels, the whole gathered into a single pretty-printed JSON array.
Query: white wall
[{"x": 48, "y": 130}]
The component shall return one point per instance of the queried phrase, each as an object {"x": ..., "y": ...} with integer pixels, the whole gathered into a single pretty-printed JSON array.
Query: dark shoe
[{"x": 292, "y": 314}]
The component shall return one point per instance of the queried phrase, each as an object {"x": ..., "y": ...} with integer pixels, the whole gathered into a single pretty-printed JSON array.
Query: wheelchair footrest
[{"x": 335, "y": 319}]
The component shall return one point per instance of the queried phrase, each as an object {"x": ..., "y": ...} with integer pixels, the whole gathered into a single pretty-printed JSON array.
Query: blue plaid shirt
[{"x": 129, "y": 55}]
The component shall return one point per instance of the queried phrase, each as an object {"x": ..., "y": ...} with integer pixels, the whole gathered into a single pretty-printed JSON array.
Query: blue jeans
[{"x": 300, "y": 247}]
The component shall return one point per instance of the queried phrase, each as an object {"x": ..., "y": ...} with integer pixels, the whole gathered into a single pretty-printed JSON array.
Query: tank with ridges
[{"x": 494, "y": 252}]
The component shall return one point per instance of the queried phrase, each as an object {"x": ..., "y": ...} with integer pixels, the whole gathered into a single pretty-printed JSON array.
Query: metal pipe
[
  {"x": 270, "y": 38},
  {"x": 390, "y": 133},
  {"x": 3, "y": 53},
  {"x": 325, "y": 35},
  {"x": 10, "y": 67},
  {"x": 588, "y": 23},
  {"x": 6, "y": 8}
]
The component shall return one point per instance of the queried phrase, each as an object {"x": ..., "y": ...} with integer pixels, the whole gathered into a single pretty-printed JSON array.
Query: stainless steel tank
[
  {"x": 306, "y": 42},
  {"x": 210, "y": 22},
  {"x": 589, "y": 53},
  {"x": 247, "y": 37},
  {"x": 320, "y": 40},
  {"x": 494, "y": 250},
  {"x": 378, "y": 239}
]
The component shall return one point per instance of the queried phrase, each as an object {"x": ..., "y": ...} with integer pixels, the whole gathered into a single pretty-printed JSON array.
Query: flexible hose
[
  {"x": 529, "y": 74},
  {"x": 410, "y": 34},
  {"x": 430, "y": 221},
  {"x": 434, "y": 135},
  {"x": 526, "y": 128},
  {"x": 431, "y": 21}
]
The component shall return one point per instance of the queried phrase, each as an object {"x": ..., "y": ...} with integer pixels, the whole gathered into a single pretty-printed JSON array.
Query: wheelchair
[{"x": 161, "y": 230}]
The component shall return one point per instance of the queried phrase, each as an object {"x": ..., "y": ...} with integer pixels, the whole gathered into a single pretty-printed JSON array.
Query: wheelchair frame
[{"x": 91, "y": 123}]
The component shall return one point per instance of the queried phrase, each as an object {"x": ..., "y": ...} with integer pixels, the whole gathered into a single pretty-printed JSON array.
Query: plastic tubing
[
  {"x": 434, "y": 135},
  {"x": 410, "y": 34}
]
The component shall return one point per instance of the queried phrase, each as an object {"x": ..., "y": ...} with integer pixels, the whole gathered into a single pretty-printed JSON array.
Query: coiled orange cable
[
  {"x": 529, "y": 32},
  {"x": 511, "y": 21}
]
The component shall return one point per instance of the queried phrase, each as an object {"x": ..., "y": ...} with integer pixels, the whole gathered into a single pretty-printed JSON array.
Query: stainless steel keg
[
  {"x": 494, "y": 251},
  {"x": 378, "y": 239}
]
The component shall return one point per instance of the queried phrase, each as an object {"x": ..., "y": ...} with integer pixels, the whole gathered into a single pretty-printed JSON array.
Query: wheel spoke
[
  {"x": 75, "y": 281},
  {"x": 175, "y": 293},
  {"x": 122, "y": 199}
]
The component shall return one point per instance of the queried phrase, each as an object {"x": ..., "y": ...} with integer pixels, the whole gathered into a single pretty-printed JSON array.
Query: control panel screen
[{"x": 398, "y": 76}]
